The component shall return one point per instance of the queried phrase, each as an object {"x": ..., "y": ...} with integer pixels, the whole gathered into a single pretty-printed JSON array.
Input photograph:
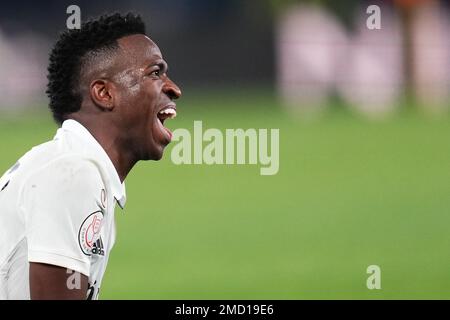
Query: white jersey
[{"x": 57, "y": 207}]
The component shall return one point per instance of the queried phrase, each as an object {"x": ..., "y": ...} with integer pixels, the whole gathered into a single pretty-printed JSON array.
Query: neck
[{"x": 109, "y": 138}]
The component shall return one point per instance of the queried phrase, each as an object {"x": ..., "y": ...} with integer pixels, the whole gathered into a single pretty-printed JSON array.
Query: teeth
[{"x": 169, "y": 111}]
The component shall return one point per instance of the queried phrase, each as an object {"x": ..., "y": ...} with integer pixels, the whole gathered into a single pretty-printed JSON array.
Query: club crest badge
[{"x": 89, "y": 232}]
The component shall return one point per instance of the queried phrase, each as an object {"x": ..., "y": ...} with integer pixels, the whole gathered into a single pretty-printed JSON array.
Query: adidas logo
[{"x": 98, "y": 248}]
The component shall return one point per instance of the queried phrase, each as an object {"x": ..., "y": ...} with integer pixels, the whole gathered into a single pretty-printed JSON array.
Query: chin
[
  {"x": 156, "y": 154},
  {"x": 158, "y": 157}
]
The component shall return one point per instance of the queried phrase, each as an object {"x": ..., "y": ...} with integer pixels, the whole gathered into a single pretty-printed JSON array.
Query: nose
[{"x": 171, "y": 89}]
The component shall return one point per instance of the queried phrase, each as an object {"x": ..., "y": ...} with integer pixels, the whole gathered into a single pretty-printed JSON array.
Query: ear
[{"x": 102, "y": 94}]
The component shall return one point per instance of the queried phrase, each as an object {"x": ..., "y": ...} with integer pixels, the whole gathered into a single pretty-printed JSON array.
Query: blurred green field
[{"x": 350, "y": 193}]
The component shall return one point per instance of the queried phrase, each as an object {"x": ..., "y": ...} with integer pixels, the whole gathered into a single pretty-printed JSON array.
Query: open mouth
[{"x": 169, "y": 112}]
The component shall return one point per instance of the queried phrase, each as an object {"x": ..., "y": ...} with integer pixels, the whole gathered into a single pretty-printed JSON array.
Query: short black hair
[{"x": 66, "y": 57}]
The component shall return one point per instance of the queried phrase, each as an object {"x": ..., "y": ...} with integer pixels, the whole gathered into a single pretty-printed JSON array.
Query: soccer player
[{"x": 110, "y": 93}]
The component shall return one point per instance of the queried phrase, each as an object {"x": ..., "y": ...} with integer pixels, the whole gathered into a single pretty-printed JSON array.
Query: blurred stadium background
[{"x": 364, "y": 166}]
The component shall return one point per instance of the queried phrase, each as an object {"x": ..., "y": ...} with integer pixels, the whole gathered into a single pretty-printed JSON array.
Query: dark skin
[
  {"x": 48, "y": 282},
  {"x": 122, "y": 96}
]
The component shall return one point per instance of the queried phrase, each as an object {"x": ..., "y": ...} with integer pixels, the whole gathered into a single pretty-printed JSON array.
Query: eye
[{"x": 156, "y": 73}]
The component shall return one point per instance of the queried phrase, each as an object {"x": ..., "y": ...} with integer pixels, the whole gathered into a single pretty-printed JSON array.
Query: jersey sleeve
[{"x": 63, "y": 213}]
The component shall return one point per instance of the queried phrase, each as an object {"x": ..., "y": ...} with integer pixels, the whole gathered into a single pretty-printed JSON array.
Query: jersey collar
[{"x": 118, "y": 188}]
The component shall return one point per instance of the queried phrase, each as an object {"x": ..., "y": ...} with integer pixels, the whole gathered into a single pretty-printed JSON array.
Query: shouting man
[{"x": 109, "y": 91}]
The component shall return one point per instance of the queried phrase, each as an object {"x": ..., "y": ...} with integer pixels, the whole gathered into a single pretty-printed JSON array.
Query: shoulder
[{"x": 68, "y": 172}]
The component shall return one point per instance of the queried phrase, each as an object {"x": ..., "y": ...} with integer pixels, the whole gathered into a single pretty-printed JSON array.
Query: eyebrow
[{"x": 163, "y": 66}]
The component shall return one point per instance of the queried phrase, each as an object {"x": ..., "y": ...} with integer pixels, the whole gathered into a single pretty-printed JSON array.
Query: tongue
[{"x": 166, "y": 132}]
